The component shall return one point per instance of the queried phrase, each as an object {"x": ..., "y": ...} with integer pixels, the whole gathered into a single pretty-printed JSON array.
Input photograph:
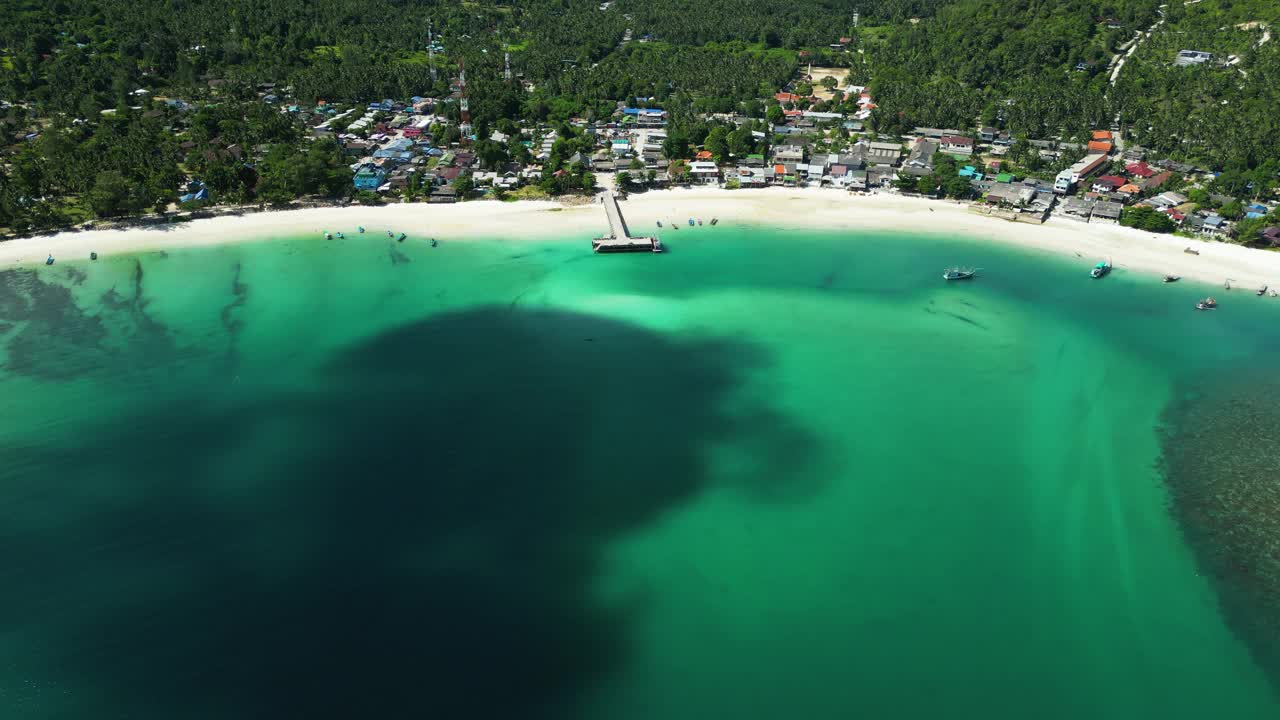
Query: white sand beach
[{"x": 818, "y": 208}]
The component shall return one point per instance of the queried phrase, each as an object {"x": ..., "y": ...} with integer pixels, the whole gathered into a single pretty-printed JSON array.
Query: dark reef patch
[
  {"x": 57, "y": 340},
  {"x": 397, "y": 257},
  {"x": 416, "y": 535},
  {"x": 75, "y": 275},
  {"x": 1221, "y": 462},
  {"x": 231, "y": 320}
]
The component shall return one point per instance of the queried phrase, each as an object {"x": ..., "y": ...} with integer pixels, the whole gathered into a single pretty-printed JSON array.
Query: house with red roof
[
  {"x": 1100, "y": 146},
  {"x": 1107, "y": 183},
  {"x": 1139, "y": 170},
  {"x": 1156, "y": 181}
]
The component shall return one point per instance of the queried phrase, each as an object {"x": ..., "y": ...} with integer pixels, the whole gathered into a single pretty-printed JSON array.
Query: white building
[{"x": 704, "y": 172}]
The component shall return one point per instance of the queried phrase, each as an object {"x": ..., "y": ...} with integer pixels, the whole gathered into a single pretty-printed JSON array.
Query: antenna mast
[
  {"x": 431, "y": 53},
  {"x": 465, "y": 112}
]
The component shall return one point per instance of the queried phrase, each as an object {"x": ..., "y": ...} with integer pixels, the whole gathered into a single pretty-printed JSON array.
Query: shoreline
[{"x": 780, "y": 208}]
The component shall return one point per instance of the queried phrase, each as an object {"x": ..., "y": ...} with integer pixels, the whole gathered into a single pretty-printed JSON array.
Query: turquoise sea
[{"x": 771, "y": 474}]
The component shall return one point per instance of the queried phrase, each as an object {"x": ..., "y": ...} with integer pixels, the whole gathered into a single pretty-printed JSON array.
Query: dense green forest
[{"x": 1037, "y": 68}]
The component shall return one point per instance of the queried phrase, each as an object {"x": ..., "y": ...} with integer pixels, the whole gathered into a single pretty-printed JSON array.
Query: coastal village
[
  {"x": 426, "y": 149},
  {"x": 410, "y": 150}
]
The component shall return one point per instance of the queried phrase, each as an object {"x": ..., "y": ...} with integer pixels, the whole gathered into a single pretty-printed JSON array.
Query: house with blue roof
[
  {"x": 397, "y": 155},
  {"x": 369, "y": 178},
  {"x": 196, "y": 191}
]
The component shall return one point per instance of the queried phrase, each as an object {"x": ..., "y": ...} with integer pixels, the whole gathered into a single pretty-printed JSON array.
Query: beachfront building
[
  {"x": 1107, "y": 211},
  {"x": 369, "y": 178},
  {"x": 703, "y": 171},
  {"x": 1011, "y": 194}
]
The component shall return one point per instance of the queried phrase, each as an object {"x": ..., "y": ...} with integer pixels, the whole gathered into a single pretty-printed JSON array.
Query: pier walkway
[{"x": 619, "y": 239}]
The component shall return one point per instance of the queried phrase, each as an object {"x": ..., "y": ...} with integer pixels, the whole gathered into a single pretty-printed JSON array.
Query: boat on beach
[
  {"x": 699, "y": 222},
  {"x": 1172, "y": 278},
  {"x": 1189, "y": 251},
  {"x": 690, "y": 222},
  {"x": 715, "y": 220},
  {"x": 659, "y": 223},
  {"x": 1207, "y": 304},
  {"x": 1100, "y": 269},
  {"x": 959, "y": 273}
]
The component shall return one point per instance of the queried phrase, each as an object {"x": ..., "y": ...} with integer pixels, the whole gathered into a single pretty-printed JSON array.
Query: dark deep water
[{"x": 494, "y": 480}]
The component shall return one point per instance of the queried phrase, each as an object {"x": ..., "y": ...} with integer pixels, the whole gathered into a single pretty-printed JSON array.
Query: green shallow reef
[{"x": 771, "y": 473}]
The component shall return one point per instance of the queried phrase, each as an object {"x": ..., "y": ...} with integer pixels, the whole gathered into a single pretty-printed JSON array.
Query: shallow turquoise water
[{"x": 770, "y": 474}]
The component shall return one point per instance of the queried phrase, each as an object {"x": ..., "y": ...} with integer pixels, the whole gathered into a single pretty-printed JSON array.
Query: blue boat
[
  {"x": 341, "y": 236},
  {"x": 1100, "y": 269},
  {"x": 49, "y": 260},
  {"x": 690, "y": 222}
]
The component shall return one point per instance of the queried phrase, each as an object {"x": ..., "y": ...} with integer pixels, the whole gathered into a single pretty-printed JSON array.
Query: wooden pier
[{"x": 620, "y": 239}]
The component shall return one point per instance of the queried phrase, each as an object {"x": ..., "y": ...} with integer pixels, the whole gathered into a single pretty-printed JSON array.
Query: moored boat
[
  {"x": 659, "y": 223},
  {"x": 699, "y": 222},
  {"x": 959, "y": 273},
  {"x": 433, "y": 242},
  {"x": 401, "y": 238},
  {"x": 1207, "y": 304},
  {"x": 1262, "y": 291},
  {"x": 715, "y": 220},
  {"x": 360, "y": 228},
  {"x": 1100, "y": 269},
  {"x": 328, "y": 235},
  {"x": 93, "y": 256},
  {"x": 340, "y": 236},
  {"x": 48, "y": 260},
  {"x": 1172, "y": 278},
  {"x": 690, "y": 222}
]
